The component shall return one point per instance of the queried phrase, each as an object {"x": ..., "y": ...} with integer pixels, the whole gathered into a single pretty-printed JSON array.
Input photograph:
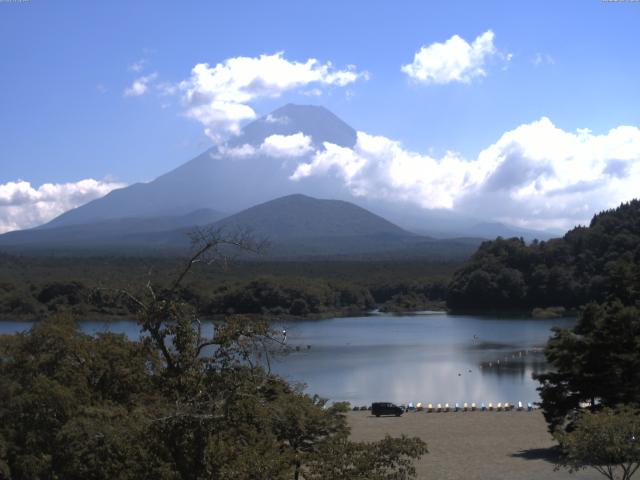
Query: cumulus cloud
[
  {"x": 23, "y": 205},
  {"x": 296, "y": 145},
  {"x": 241, "y": 151},
  {"x": 283, "y": 119},
  {"x": 218, "y": 97},
  {"x": 455, "y": 60},
  {"x": 536, "y": 175},
  {"x": 140, "y": 86},
  {"x": 278, "y": 146}
]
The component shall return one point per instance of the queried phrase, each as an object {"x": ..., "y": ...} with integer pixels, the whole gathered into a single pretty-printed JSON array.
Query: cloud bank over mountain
[
  {"x": 218, "y": 97},
  {"x": 279, "y": 146},
  {"x": 536, "y": 175},
  {"x": 24, "y": 206}
]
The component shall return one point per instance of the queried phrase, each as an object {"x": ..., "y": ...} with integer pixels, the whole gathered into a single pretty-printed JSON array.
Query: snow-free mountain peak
[
  {"x": 313, "y": 121},
  {"x": 226, "y": 181},
  {"x": 249, "y": 170}
]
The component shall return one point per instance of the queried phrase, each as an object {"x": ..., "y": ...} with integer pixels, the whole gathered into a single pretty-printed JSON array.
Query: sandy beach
[{"x": 473, "y": 445}]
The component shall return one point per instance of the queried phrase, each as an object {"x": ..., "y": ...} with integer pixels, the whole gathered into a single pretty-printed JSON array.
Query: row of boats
[
  {"x": 465, "y": 407},
  {"x": 506, "y": 406}
]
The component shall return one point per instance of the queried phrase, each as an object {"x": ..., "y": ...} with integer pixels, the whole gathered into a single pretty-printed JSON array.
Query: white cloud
[
  {"x": 218, "y": 97},
  {"x": 283, "y": 120},
  {"x": 295, "y": 145},
  {"x": 24, "y": 206},
  {"x": 542, "y": 59},
  {"x": 314, "y": 92},
  {"x": 278, "y": 146},
  {"x": 452, "y": 61},
  {"x": 166, "y": 88},
  {"x": 241, "y": 151},
  {"x": 536, "y": 175},
  {"x": 140, "y": 86}
]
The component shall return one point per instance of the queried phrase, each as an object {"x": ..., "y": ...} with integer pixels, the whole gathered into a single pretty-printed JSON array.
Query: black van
[{"x": 386, "y": 408}]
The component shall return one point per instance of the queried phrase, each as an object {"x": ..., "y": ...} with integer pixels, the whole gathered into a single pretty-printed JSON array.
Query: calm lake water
[{"x": 415, "y": 358}]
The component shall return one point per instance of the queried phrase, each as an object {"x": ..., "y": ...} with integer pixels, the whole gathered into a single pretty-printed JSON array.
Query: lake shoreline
[
  {"x": 431, "y": 308},
  {"x": 428, "y": 357}
]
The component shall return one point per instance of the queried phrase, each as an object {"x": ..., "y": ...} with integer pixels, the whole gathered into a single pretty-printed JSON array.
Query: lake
[{"x": 431, "y": 357}]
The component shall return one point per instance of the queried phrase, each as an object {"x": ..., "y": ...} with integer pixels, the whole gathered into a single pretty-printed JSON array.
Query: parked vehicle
[{"x": 386, "y": 408}]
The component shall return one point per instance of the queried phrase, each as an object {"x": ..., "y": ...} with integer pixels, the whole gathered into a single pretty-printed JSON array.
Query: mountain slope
[
  {"x": 216, "y": 180},
  {"x": 111, "y": 233},
  {"x": 225, "y": 179},
  {"x": 298, "y": 216},
  {"x": 301, "y": 227},
  {"x": 241, "y": 174}
]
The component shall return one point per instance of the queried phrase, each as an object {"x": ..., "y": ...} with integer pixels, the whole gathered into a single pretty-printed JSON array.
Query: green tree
[
  {"x": 597, "y": 362},
  {"x": 188, "y": 401},
  {"x": 607, "y": 441},
  {"x": 387, "y": 459},
  {"x": 304, "y": 423}
]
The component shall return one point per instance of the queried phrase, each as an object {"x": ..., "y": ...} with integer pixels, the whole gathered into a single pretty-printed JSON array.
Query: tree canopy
[
  {"x": 177, "y": 404},
  {"x": 598, "y": 263},
  {"x": 607, "y": 441},
  {"x": 597, "y": 362}
]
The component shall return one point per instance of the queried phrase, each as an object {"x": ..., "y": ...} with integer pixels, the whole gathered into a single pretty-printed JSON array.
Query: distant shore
[{"x": 473, "y": 445}]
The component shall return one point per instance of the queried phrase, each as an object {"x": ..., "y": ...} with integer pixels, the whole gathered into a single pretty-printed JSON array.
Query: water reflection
[
  {"x": 421, "y": 358},
  {"x": 434, "y": 358}
]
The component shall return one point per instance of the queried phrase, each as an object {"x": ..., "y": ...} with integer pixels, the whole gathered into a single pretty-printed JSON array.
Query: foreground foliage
[
  {"x": 607, "y": 441},
  {"x": 596, "y": 363},
  {"x": 188, "y": 401}
]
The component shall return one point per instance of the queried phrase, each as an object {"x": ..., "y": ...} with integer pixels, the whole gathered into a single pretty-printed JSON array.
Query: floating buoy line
[{"x": 508, "y": 358}]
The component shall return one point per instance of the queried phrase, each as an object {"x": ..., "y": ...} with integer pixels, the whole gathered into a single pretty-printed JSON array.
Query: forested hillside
[
  {"x": 596, "y": 263},
  {"x": 35, "y": 287}
]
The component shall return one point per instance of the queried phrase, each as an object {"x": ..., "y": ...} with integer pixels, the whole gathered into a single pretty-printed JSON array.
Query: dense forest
[
  {"x": 175, "y": 404},
  {"x": 598, "y": 263},
  {"x": 36, "y": 286}
]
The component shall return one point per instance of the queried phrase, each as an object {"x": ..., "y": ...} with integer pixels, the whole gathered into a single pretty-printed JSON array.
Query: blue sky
[{"x": 66, "y": 65}]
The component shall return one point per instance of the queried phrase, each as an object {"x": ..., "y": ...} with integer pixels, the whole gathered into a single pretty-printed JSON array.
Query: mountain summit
[
  {"x": 255, "y": 167},
  {"x": 222, "y": 179},
  {"x": 300, "y": 216}
]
